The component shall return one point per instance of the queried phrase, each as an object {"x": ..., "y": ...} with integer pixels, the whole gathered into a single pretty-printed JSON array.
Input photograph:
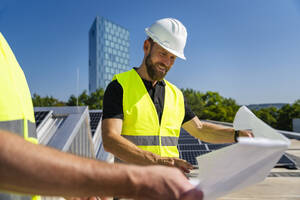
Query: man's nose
[{"x": 167, "y": 62}]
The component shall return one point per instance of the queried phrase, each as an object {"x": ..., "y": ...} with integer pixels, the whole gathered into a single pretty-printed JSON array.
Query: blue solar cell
[
  {"x": 95, "y": 118},
  {"x": 183, "y": 131},
  {"x": 186, "y": 137},
  {"x": 217, "y": 146},
  {"x": 190, "y": 147},
  {"x": 40, "y": 116},
  {"x": 190, "y": 156},
  {"x": 188, "y": 141},
  {"x": 184, "y": 134},
  {"x": 205, "y": 142}
]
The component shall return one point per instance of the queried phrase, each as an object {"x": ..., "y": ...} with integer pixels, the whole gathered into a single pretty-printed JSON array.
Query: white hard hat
[{"x": 170, "y": 34}]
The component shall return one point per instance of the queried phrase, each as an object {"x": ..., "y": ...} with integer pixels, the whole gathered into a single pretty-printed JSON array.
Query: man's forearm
[
  {"x": 35, "y": 169},
  {"x": 217, "y": 134},
  {"x": 209, "y": 132},
  {"x": 127, "y": 151}
]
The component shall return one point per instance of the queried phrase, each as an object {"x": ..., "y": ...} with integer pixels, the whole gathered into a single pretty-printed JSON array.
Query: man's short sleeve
[
  {"x": 189, "y": 114},
  {"x": 113, "y": 101}
]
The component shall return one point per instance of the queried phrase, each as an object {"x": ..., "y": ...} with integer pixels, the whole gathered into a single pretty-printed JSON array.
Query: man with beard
[{"x": 143, "y": 112}]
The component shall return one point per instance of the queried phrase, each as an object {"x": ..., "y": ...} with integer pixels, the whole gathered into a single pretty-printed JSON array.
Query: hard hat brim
[{"x": 155, "y": 39}]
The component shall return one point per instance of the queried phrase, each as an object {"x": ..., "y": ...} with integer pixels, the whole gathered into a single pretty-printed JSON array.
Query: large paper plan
[{"x": 244, "y": 163}]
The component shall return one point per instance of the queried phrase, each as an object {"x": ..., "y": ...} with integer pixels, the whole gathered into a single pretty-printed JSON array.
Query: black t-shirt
[{"x": 113, "y": 100}]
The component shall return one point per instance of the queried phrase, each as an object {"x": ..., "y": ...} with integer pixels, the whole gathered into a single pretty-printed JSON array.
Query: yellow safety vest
[
  {"x": 16, "y": 109},
  {"x": 141, "y": 124}
]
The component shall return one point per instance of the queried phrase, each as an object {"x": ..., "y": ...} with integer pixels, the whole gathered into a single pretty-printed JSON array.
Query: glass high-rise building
[{"x": 108, "y": 52}]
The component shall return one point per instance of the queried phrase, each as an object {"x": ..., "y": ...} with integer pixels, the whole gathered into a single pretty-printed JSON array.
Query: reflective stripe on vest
[
  {"x": 141, "y": 124},
  {"x": 18, "y": 197},
  {"x": 16, "y": 109},
  {"x": 14, "y": 197},
  {"x": 152, "y": 140},
  {"x": 17, "y": 126}
]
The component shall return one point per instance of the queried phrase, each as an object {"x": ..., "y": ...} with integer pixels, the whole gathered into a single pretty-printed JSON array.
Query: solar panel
[
  {"x": 191, "y": 147},
  {"x": 190, "y": 156},
  {"x": 187, "y": 137},
  {"x": 184, "y": 134},
  {"x": 213, "y": 147},
  {"x": 287, "y": 162},
  {"x": 95, "y": 118},
  {"x": 40, "y": 116},
  {"x": 188, "y": 141}
]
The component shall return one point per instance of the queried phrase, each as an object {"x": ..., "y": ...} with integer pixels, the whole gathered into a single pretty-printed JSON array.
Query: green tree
[
  {"x": 93, "y": 101},
  {"x": 296, "y": 109},
  {"x": 284, "y": 121},
  {"x": 211, "y": 105},
  {"x": 286, "y": 115},
  {"x": 268, "y": 115},
  {"x": 231, "y": 108},
  {"x": 47, "y": 101},
  {"x": 194, "y": 100},
  {"x": 82, "y": 99},
  {"x": 72, "y": 101}
]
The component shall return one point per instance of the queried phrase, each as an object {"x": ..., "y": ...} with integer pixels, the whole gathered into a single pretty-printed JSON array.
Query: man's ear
[{"x": 146, "y": 47}]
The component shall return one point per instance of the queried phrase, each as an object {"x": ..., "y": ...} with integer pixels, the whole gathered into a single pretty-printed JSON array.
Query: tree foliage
[
  {"x": 47, "y": 101},
  {"x": 268, "y": 115},
  {"x": 282, "y": 118},
  {"x": 209, "y": 105},
  {"x": 93, "y": 101}
]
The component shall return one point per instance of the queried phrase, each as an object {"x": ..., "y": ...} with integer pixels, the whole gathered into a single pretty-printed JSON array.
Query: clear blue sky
[{"x": 248, "y": 50}]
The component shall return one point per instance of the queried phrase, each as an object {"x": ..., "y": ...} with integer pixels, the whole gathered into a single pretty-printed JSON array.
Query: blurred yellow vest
[
  {"x": 16, "y": 109},
  {"x": 141, "y": 124}
]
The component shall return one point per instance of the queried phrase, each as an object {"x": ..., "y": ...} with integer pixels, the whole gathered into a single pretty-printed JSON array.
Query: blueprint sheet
[{"x": 244, "y": 163}]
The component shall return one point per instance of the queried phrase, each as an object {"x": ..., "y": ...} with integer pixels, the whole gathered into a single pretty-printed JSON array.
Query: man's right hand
[{"x": 164, "y": 183}]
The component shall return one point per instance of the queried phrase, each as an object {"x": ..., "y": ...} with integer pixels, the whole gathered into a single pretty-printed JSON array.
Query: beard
[{"x": 152, "y": 69}]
